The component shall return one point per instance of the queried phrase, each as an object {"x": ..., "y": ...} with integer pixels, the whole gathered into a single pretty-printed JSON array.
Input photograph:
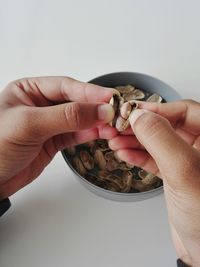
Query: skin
[
  {"x": 165, "y": 139},
  {"x": 36, "y": 122}
]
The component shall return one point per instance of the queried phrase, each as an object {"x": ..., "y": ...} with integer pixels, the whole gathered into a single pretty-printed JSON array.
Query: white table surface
[{"x": 55, "y": 221}]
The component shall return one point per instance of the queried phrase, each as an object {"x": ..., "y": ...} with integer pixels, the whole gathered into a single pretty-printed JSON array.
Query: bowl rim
[{"x": 128, "y": 72}]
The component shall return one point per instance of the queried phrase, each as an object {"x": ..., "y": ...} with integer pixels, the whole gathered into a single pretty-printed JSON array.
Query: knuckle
[
  {"x": 14, "y": 87},
  {"x": 15, "y": 83},
  {"x": 73, "y": 115},
  {"x": 26, "y": 115},
  {"x": 152, "y": 124},
  {"x": 11, "y": 86},
  {"x": 22, "y": 84},
  {"x": 190, "y": 168}
]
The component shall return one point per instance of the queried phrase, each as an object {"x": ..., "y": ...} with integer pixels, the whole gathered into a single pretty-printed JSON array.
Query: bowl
[{"x": 141, "y": 81}]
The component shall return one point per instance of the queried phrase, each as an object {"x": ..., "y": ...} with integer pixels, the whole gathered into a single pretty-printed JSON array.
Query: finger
[
  {"x": 139, "y": 158},
  {"x": 101, "y": 132},
  {"x": 72, "y": 139},
  {"x": 183, "y": 115},
  {"x": 62, "y": 89},
  {"x": 128, "y": 131},
  {"x": 173, "y": 111},
  {"x": 53, "y": 120},
  {"x": 105, "y": 131},
  {"x": 173, "y": 156},
  {"x": 122, "y": 142}
]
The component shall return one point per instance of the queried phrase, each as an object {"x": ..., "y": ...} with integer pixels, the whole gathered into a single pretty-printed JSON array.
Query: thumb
[
  {"x": 173, "y": 156},
  {"x": 48, "y": 121}
]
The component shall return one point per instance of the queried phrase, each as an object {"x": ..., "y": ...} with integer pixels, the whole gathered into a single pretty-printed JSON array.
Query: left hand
[{"x": 36, "y": 122}]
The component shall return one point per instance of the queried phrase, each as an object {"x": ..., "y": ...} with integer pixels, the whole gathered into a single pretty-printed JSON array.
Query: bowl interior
[{"x": 139, "y": 80}]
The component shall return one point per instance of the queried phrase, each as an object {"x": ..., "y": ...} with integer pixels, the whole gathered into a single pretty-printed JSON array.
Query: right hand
[{"x": 167, "y": 143}]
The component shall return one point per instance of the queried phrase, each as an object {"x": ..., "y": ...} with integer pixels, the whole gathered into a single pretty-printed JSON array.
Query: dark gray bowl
[{"x": 142, "y": 81}]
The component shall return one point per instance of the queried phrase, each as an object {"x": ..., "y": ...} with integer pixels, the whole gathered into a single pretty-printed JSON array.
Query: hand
[
  {"x": 36, "y": 122},
  {"x": 167, "y": 143}
]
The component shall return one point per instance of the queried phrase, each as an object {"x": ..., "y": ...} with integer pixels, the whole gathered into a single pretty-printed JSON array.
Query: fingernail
[
  {"x": 135, "y": 114},
  {"x": 105, "y": 112}
]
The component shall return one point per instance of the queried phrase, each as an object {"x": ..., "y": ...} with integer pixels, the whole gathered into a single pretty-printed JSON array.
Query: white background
[{"x": 55, "y": 221}]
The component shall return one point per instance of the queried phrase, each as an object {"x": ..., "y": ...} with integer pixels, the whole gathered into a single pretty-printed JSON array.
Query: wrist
[{"x": 4, "y": 206}]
